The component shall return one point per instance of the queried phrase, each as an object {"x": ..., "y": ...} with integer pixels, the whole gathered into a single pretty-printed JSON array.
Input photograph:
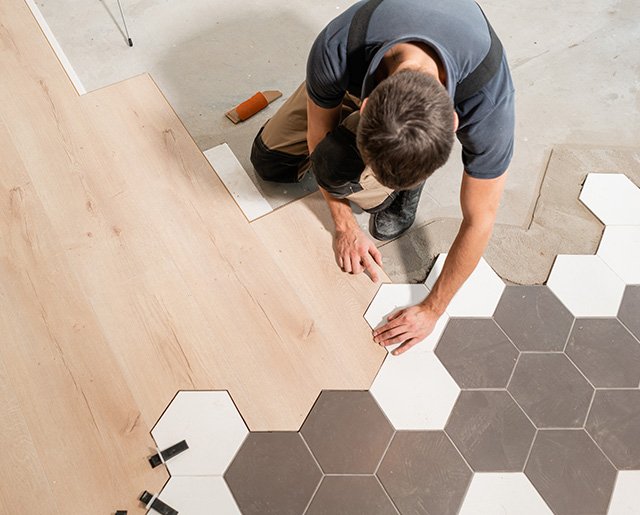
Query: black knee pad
[
  {"x": 337, "y": 164},
  {"x": 275, "y": 166}
]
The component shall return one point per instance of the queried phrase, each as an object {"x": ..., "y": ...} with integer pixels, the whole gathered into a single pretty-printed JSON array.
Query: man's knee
[{"x": 276, "y": 166}]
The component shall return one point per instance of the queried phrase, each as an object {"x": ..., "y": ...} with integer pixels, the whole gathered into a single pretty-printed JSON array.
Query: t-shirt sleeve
[
  {"x": 326, "y": 72},
  {"x": 487, "y": 139}
]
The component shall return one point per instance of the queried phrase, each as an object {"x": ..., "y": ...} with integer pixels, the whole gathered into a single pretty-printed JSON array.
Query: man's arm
[
  {"x": 354, "y": 251},
  {"x": 479, "y": 199}
]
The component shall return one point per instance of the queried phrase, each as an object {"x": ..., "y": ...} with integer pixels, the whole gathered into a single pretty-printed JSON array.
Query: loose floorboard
[{"x": 127, "y": 273}]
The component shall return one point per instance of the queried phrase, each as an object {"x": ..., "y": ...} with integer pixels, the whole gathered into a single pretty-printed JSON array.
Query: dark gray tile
[
  {"x": 347, "y": 432},
  {"x": 605, "y": 352},
  {"x": 476, "y": 353},
  {"x": 351, "y": 495},
  {"x": 424, "y": 473},
  {"x": 491, "y": 431},
  {"x": 629, "y": 313},
  {"x": 551, "y": 390},
  {"x": 534, "y": 318},
  {"x": 614, "y": 423},
  {"x": 273, "y": 473},
  {"x": 570, "y": 472}
]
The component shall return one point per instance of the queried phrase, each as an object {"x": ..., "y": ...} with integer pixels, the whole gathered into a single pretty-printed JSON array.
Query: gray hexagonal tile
[
  {"x": 629, "y": 313},
  {"x": 605, "y": 352},
  {"x": 570, "y": 472},
  {"x": 424, "y": 473},
  {"x": 347, "y": 432},
  {"x": 351, "y": 494},
  {"x": 273, "y": 474},
  {"x": 534, "y": 318},
  {"x": 614, "y": 423},
  {"x": 476, "y": 353},
  {"x": 491, "y": 431},
  {"x": 551, "y": 390}
]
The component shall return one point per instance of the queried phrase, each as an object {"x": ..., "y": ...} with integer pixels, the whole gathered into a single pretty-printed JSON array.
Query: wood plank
[{"x": 127, "y": 272}]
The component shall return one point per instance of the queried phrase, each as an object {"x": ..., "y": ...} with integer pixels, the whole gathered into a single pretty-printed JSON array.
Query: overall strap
[
  {"x": 483, "y": 73},
  {"x": 356, "y": 56}
]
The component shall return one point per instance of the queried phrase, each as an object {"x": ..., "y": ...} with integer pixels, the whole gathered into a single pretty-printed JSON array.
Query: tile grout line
[
  {"x": 600, "y": 449},
  {"x": 566, "y": 342},
  {"x": 387, "y": 493},
  {"x": 313, "y": 495}
]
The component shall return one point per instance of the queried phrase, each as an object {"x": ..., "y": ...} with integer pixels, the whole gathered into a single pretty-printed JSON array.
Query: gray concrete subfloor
[{"x": 576, "y": 75}]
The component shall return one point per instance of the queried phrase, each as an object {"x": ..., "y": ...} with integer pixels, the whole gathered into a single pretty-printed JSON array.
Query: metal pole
[{"x": 125, "y": 24}]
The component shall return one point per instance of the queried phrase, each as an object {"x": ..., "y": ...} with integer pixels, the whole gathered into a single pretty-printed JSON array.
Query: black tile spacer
[
  {"x": 152, "y": 502},
  {"x": 121, "y": 512},
  {"x": 167, "y": 454}
]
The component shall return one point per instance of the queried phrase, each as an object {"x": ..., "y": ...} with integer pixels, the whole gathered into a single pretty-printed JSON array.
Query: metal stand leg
[{"x": 129, "y": 41}]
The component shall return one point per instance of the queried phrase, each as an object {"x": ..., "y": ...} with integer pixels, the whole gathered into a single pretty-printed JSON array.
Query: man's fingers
[
  {"x": 368, "y": 265},
  {"x": 377, "y": 256},
  {"x": 356, "y": 267},
  {"x": 386, "y": 327},
  {"x": 391, "y": 333},
  {"x": 404, "y": 347},
  {"x": 395, "y": 315},
  {"x": 346, "y": 264}
]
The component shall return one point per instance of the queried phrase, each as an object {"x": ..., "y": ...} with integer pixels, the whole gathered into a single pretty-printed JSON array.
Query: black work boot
[{"x": 398, "y": 217}]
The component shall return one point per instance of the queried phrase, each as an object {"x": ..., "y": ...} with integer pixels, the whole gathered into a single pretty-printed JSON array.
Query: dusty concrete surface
[
  {"x": 560, "y": 224},
  {"x": 577, "y": 80}
]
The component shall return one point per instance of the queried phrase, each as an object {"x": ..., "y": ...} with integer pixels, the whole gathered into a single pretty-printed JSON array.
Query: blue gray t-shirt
[{"x": 458, "y": 32}]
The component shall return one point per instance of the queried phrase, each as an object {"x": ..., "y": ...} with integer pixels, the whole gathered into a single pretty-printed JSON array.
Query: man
[{"x": 425, "y": 70}]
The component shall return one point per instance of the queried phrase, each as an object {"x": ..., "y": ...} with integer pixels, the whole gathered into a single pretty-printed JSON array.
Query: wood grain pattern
[{"x": 127, "y": 273}]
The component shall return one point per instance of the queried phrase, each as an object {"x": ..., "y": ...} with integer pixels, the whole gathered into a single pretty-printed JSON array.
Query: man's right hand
[{"x": 355, "y": 252}]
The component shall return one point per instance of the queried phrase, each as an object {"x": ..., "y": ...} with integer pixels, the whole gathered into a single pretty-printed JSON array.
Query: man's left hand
[{"x": 410, "y": 325}]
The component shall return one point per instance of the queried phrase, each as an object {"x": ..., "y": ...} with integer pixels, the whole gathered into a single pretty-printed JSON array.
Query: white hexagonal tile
[
  {"x": 391, "y": 298},
  {"x": 586, "y": 286},
  {"x": 199, "y": 495},
  {"x": 620, "y": 249},
  {"x": 613, "y": 198},
  {"x": 415, "y": 390},
  {"x": 626, "y": 494},
  {"x": 212, "y": 427},
  {"x": 478, "y": 296},
  {"x": 490, "y": 494}
]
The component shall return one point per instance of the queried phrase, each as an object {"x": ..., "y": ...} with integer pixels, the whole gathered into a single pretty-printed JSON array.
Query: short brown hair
[{"x": 406, "y": 129}]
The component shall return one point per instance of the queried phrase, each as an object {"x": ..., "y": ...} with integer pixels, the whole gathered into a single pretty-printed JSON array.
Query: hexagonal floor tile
[
  {"x": 273, "y": 474},
  {"x": 614, "y": 423},
  {"x": 347, "y": 432},
  {"x": 415, "y": 391},
  {"x": 620, "y": 249},
  {"x": 613, "y": 198},
  {"x": 491, "y": 431},
  {"x": 212, "y": 427},
  {"x": 424, "y": 473},
  {"x": 199, "y": 495},
  {"x": 478, "y": 296},
  {"x": 476, "y": 353},
  {"x": 350, "y": 494},
  {"x": 490, "y": 494},
  {"x": 586, "y": 285},
  {"x": 534, "y": 318},
  {"x": 605, "y": 352},
  {"x": 550, "y": 389},
  {"x": 390, "y": 299},
  {"x": 629, "y": 309},
  {"x": 626, "y": 495},
  {"x": 570, "y": 472}
]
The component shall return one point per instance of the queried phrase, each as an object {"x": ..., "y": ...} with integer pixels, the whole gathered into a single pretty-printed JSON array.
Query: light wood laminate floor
[{"x": 128, "y": 273}]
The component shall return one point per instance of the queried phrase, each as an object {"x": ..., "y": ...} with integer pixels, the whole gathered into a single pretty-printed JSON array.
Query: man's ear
[
  {"x": 456, "y": 121},
  {"x": 364, "y": 103}
]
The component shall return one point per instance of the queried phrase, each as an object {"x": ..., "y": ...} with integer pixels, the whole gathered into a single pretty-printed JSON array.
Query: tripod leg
[{"x": 124, "y": 22}]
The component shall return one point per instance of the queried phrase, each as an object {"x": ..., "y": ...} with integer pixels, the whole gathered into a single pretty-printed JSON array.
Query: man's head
[{"x": 406, "y": 129}]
